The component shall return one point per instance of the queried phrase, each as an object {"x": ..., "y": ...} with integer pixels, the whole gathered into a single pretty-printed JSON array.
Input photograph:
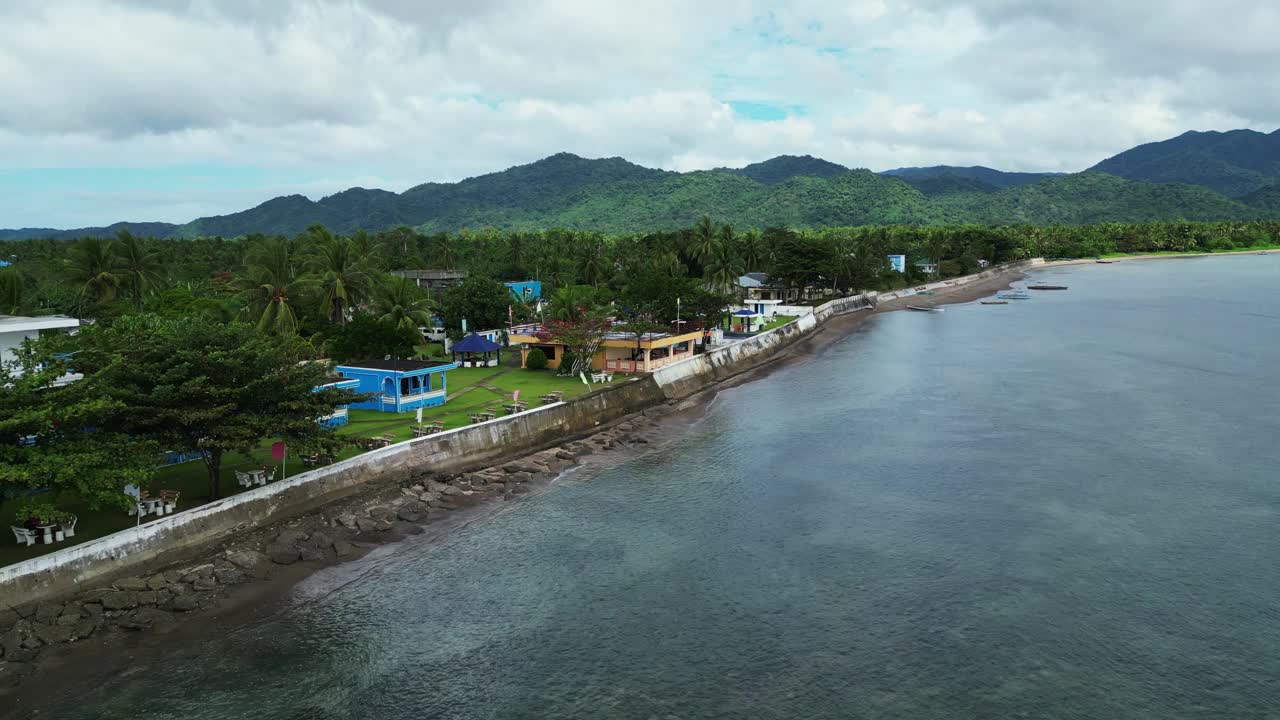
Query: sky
[{"x": 173, "y": 109}]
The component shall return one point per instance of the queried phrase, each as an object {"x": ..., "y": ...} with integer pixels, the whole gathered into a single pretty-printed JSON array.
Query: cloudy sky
[{"x": 172, "y": 109}]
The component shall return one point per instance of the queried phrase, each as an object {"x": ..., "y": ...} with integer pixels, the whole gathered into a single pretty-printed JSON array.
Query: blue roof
[
  {"x": 746, "y": 313},
  {"x": 473, "y": 343}
]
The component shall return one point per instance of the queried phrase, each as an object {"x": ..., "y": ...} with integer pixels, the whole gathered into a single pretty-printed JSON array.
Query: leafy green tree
[
  {"x": 192, "y": 386},
  {"x": 93, "y": 267},
  {"x": 139, "y": 268},
  {"x": 798, "y": 259},
  {"x": 68, "y": 436},
  {"x": 366, "y": 336},
  {"x": 271, "y": 287},
  {"x": 482, "y": 302},
  {"x": 571, "y": 303},
  {"x": 400, "y": 302},
  {"x": 536, "y": 360},
  {"x": 11, "y": 291},
  {"x": 339, "y": 268}
]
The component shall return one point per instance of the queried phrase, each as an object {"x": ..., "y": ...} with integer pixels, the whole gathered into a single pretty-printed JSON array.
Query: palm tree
[
  {"x": 724, "y": 270},
  {"x": 339, "y": 271},
  {"x": 271, "y": 288},
  {"x": 703, "y": 244},
  {"x": 446, "y": 251},
  {"x": 752, "y": 251},
  {"x": 11, "y": 289},
  {"x": 139, "y": 267},
  {"x": 399, "y": 302},
  {"x": 571, "y": 302},
  {"x": 594, "y": 262},
  {"x": 93, "y": 266}
]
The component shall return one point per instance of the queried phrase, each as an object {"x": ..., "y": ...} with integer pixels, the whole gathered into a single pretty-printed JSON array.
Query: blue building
[
  {"x": 398, "y": 385},
  {"x": 526, "y": 290},
  {"x": 339, "y": 416}
]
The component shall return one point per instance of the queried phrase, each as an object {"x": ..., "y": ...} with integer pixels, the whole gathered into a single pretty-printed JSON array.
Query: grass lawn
[
  {"x": 778, "y": 321},
  {"x": 470, "y": 390}
]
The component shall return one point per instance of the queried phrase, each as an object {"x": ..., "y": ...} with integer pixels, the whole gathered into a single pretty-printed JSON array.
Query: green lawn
[
  {"x": 778, "y": 321},
  {"x": 484, "y": 388}
]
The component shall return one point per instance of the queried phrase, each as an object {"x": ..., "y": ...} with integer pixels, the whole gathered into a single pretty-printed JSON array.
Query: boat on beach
[
  {"x": 1046, "y": 287},
  {"x": 922, "y": 308},
  {"x": 1104, "y": 262}
]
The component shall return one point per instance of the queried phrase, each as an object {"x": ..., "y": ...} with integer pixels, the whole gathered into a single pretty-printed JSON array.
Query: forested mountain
[
  {"x": 977, "y": 177},
  {"x": 613, "y": 195},
  {"x": 1233, "y": 163}
]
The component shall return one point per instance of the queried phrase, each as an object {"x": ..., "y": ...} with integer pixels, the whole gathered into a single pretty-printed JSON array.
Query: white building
[{"x": 14, "y": 330}]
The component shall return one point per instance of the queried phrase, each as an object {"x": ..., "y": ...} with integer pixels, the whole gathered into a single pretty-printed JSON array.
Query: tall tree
[
  {"x": 482, "y": 302},
  {"x": 139, "y": 267},
  {"x": 271, "y": 287},
  {"x": 12, "y": 288},
  {"x": 193, "y": 386},
  {"x": 399, "y": 302},
  {"x": 94, "y": 268},
  {"x": 339, "y": 270}
]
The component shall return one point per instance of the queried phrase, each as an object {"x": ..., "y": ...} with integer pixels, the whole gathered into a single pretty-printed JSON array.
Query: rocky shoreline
[{"x": 193, "y": 592}]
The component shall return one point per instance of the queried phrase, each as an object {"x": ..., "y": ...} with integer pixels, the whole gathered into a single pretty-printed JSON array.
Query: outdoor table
[
  {"x": 514, "y": 408},
  {"x": 46, "y": 533},
  {"x": 150, "y": 506}
]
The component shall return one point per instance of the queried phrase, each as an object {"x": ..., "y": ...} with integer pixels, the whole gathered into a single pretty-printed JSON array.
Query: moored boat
[
  {"x": 921, "y": 308},
  {"x": 1014, "y": 296},
  {"x": 994, "y": 302},
  {"x": 1103, "y": 262},
  {"x": 1046, "y": 287}
]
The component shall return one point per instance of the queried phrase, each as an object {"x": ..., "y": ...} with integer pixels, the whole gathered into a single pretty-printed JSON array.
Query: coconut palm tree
[
  {"x": 11, "y": 290},
  {"x": 571, "y": 302},
  {"x": 593, "y": 266},
  {"x": 140, "y": 268},
  {"x": 705, "y": 240},
  {"x": 724, "y": 269},
  {"x": 752, "y": 251},
  {"x": 339, "y": 273},
  {"x": 95, "y": 269},
  {"x": 271, "y": 288},
  {"x": 399, "y": 302}
]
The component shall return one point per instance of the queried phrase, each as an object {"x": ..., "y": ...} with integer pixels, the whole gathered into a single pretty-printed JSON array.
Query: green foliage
[
  {"x": 1233, "y": 163},
  {"x": 34, "y": 513},
  {"x": 480, "y": 301},
  {"x": 366, "y": 336},
  {"x": 194, "y": 386},
  {"x": 536, "y": 360}
]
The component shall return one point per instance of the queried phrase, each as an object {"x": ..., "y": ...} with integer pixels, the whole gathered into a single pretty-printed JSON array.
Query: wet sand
[{"x": 61, "y": 669}]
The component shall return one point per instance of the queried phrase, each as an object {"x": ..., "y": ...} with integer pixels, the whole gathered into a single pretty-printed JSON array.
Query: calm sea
[{"x": 1059, "y": 508}]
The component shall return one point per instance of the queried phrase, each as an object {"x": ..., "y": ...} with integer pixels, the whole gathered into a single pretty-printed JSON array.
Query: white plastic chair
[
  {"x": 23, "y": 535},
  {"x": 244, "y": 479}
]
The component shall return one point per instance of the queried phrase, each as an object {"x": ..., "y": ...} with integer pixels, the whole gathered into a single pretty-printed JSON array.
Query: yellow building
[{"x": 619, "y": 352}]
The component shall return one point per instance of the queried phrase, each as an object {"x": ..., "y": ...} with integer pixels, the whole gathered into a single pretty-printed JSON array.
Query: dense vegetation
[
  {"x": 1233, "y": 163},
  {"x": 1197, "y": 177}
]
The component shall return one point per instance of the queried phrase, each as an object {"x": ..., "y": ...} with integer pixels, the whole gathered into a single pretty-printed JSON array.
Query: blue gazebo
[
  {"x": 475, "y": 351},
  {"x": 745, "y": 316}
]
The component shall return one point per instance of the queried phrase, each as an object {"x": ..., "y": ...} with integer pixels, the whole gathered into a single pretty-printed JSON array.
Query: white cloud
[{"x": 344, "y": 92}]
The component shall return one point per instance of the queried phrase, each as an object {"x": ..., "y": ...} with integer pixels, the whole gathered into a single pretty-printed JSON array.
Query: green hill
[
  {"x": 613, "y": 195},
  {"x": 1233, "y": 163}
]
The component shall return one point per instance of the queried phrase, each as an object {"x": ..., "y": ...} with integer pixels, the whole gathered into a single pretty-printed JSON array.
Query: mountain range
[{"x": 1207, "y": 176}]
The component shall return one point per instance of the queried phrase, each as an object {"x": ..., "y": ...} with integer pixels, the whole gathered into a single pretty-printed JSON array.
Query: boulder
[
  {"x": 229, "y": 577},
  {"x": 186, "y": 603},
  {"x": 312, "y": 554},
  {"x": 407, "y": 514},
  {"x": 205, "y": 583},
  {"x": 521, "y": 477},
  {"x": 564, "y": 454},
  {"x": 416, "y": 489},
  {"x": 343, "y": 548},
  {"x": 281, "y": 555},
  {"x": 25, "y": 611},
  {"x": 132, "y": 583},
  {"x": 519, "y": 490},
  {"x": 346, "y": 520},
  {"x": 92, "y": 610},
  {"x": 147, "y": 597},
  {"x": 157, "y": 582},
  {"x": 382, "y": 512},
  {"x": 192, "y": 574},
  {"x": 434, "y": 486},
  {"x": 8, "y": 619},
  {"x": 452, "y": 491},
  {"x": 429, "y": 497},
  {"x": 407, "y": 528},
  {"x": 67, "y": 620},
  {"x": 51, "y": 634},
  {"x": 10, "y": 641},
  {"x": 48, "y": 612},
  {"x": 366, "y": 524},
  {"x": 122, "y": 600},
  {"x": 144, "y": 618},
  {"x": 86, "y": 628},
  {"x": 382, "y": 525},
  {"x": 252, "y": 562},
  {"x": 290, "y": 537},
  {"x": 320, "y": 540}
]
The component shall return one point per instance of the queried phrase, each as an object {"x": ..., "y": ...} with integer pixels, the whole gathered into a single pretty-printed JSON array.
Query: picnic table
[
  {"x": 316, "y": 459},
  {"x": 483, "y": 416},
  {"x": 516, "y": 407},
  {"x": 426, "y": 429},
  {"x": 602, "y": 377},
  {"x": 554, "y": 396}
]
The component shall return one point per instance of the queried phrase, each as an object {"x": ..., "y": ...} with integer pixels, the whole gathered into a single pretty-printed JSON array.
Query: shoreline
[
  {"x": 1162, "y": 256},
  {"x": 92, "y": 660}
]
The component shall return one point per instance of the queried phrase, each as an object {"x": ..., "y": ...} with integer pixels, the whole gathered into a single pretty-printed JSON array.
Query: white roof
[{"x": 14, "y": 323}]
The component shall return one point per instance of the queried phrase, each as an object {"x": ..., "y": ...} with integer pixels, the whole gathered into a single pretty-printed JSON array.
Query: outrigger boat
[
  {"x": 921, "y": 308},
  {"x": 1014, "y": 296},
  {"x": 1046, "y": 287},
  {"x": 994, "y": 302},
  {"x": 1104, "y": 262}
]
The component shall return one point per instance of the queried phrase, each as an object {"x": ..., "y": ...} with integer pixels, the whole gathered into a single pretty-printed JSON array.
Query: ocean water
[{"x": 1058, "y": 508}]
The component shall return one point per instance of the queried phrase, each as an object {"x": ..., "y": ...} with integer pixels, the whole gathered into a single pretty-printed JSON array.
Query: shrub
[
  {"x": 536, "y": 360},
  {"x": 566, "y": 363}
]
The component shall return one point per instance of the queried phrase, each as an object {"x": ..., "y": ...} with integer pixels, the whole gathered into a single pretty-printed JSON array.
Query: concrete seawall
[{"x": 473, "y": 447}]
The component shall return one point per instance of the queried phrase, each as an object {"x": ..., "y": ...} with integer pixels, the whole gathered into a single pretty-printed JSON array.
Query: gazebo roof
[
  {"x": 474, "y": 343},
  {"x": 745, "y": 313}
]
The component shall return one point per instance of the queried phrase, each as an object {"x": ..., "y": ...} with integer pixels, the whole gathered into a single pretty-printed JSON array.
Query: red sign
[{"x": 277, "y": 451}]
